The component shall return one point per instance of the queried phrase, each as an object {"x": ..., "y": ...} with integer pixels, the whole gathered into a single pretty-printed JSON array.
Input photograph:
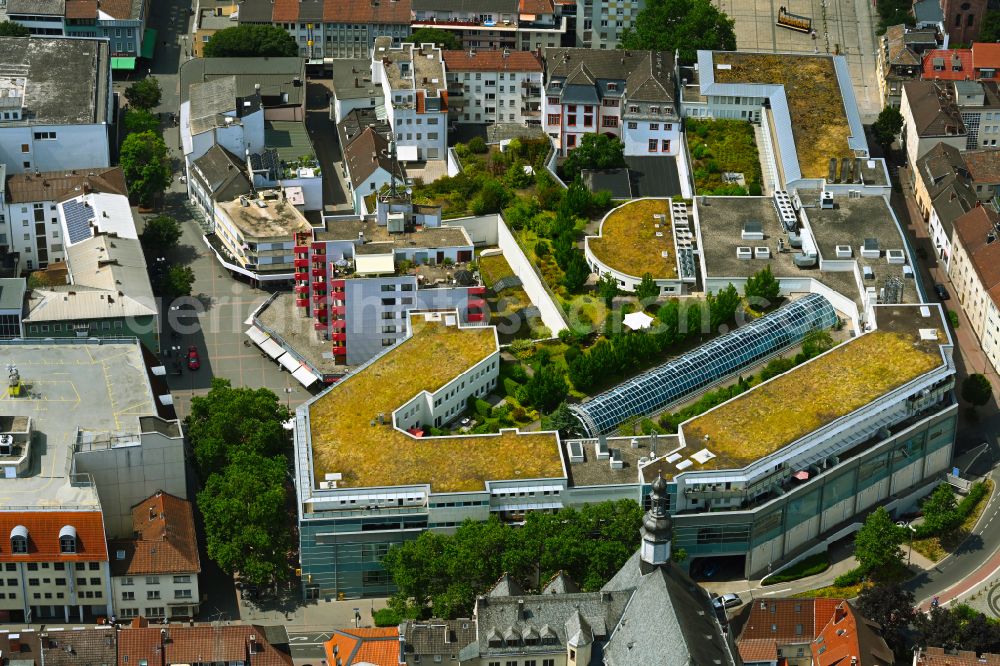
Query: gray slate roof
[
  {"x": 560, "y": 584},
  {"x": 444, "y": 637},
  {"x": 497, "y": 6},
  {"x": 506, "y": 587},
  {"x": 644, "y": 75},
  {"x": 222, "y": 173},
  {"x": 275, "y": 76},
  {"x": 39, "y": 7}
]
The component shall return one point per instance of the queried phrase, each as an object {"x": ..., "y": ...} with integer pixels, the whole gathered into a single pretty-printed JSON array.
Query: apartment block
[
  {"x": 57, "y": 113},
  {"x": 415, "y": 90},
  {"x": 331, "y": 28},
  {"x": 157, "y": 568},
  {"x": 974, "y": 276},
  {"x": 631, "y": 95},
  {"x": 601, "y": 23},
  {"x": 930, "y": 116},
  {"x": 900, "y": 58},
  {"x": 33, "y": 227},
  {"x": 494, "y": 86},
  {"x": 486, "y": 24}
]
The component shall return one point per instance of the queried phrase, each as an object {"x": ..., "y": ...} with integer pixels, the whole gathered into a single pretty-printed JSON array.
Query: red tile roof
[
  {"x": 43, "y": 535},
  {"x": 491, "y": 61},
  {"x": 935, "y": 656},
  {"x": 758, "y": 649},
  {"x": 285, "y": 11},
  {"x": 189, "y": 645},
  {"x": 848, "y": 634},
  {"x": 986, "y": 55},
  {"x": 165, "y": 539},
  {"x": 984, "y": 165},
  {"x": 378, "y": 646},
  {"x": 81, "y": 9},
  {"x": 356, "y": 11},
  {"x": 948, "y": 74},
  {"x": 536, "y": 7}
]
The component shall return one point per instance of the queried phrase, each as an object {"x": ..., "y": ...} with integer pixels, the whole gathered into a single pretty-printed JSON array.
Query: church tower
[{"x": 656, "y": 529}]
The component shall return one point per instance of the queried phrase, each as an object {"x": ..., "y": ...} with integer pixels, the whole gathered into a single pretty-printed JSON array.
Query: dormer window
[
  {"x": 612, "y": 86},
  {"x": 19, "y": 540},
  {"x": 67, "y": 540}
]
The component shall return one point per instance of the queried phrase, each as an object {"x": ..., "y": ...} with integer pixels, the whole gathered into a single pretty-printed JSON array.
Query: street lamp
[{"x": 909, "y": 551}]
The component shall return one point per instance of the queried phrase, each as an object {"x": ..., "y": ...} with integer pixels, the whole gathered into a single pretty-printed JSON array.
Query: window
[
  {"x": 612, "y": 86},
  {"x": 588, "y": 120},
  {"x": 128, "y": 613},
  {"x": 67, "y": 542},
  {"x": 665, "y": 146},
  {"x": 25, "y": 148},
  {"x": 609, "y": 121},
  {"x": 128, "y": 595},
  {"x": 654, "y": 109},
  {"x": 182, "y": 579},
  {"x": 633, "y": 125},
  {"x": 19, "y": 544},
  {"x": 654, "y": 127},
  {"x": 152, "y": 580},
  {"x": 182, "y": 594},
  {"x": 95, "y": 581},
  {"x": 154, "y": 611},
  {"x": 127, "y": 580},
  {"x": 152, "y": 594},
  {"x": 653, "y": 143},
  {"x": 45, "y": 136},
  {"x": 554, "y": 100},
  {"x": 553, "y": 119},
  {"x": 571, "y": 119},
  {"x": 94, "y": 566},
  {"x": 633, "y": 108},
  {"x": 33, "y": 581},
  {"x": 571, "y": 141}
]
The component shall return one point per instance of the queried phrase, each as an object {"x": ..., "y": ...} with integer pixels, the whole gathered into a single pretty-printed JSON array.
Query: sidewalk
[{"x": 318, "y": 615}]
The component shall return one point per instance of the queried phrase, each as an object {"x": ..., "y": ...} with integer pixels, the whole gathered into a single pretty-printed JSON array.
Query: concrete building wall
[
  {"x": 530, "y": 281},
  {"x": 61, "y": 591},
  {"x": 143, "y": 328},
  {"x": 24, "y": 221},
  {"x": 74, "y": 147},
  {"x": 175, "y": 595},
  {"x": 600, "y": 23},
  {"x": 126, "y": 475}
]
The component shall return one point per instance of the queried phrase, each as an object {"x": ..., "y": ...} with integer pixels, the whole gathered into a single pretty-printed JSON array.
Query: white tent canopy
[{"x": 637, "y": 320}]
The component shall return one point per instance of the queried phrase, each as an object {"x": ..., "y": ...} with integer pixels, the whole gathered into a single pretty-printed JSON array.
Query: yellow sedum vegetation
[
  {"x": 628, "y": 242},
  {"x": 343, "y": 439},
  {"x": 790, "y": 406},
  {"x": 815, "y": 103}
]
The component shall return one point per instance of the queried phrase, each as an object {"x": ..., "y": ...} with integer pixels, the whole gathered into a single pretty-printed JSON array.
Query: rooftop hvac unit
[
  {"x": 575, "y": 451},
  {"x": 762, "y": 252},
  {"x": 870, "y": 249},
  {"x": 844, "y": 252},
  {"x": 895, "y": 256},
  {"x": 616, "y": 459},
  {"x": 601, "y": 448},
  {"x": 327, "y": 485},
  {"x": 6, "y": 445},
  {"x": 826, "y": 200},
  {"x": 744, "y": 253}
]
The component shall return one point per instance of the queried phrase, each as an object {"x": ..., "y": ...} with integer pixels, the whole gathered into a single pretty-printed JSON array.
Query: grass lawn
[
  {"x": 719, "y": 146},
  {"x": 812, "y": 565},
  {"x": 832, "y": 592},
  {"x": 935, "y": 548},
  {"x": 815, "y": 103},
  {"x": 633, "y": 241},
  {"x": 506, "y": 305}
]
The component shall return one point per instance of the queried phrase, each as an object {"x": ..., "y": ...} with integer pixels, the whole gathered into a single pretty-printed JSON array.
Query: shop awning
[
  {"x": 272, "y": 348},
  {"x": 123, "y": 64},
  {"x": 258, "y": 336},
  {"x": 305, "y": 376},
  {"x": 148, "y": 43},
  {"x": 289, "y": 362}
]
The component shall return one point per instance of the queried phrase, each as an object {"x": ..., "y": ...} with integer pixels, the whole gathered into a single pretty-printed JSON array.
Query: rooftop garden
[
  {"x": 632, "y": 240},
  {"x": 720, "y": 147},
  {"x": 507, "y": 304},
  {"x": 344, "y": 440},
  {"x": 774, "y": 414},
  {"x": 815, "y": 103}
]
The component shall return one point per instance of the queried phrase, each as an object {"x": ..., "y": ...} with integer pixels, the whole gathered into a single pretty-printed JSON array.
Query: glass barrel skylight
[{"x": 656, "y": 388}]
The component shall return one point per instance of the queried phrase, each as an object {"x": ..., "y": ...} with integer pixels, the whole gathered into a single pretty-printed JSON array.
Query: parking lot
[{"x": 846, "y": 27}]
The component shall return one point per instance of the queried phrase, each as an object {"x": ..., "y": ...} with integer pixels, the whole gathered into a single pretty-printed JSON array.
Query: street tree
[
  {"x": 977, "y": 390},
  {"x": 892, "y": 607},
  {"x": 160, "y": 234},
  {"x": 143, "y": 159},
  {"x": 229, "y": 419},
  {"x": 12, "y": 29},
  {"x": 877, "y": 544},
  {"x": 144, "y": 93},
  {"x": 177, "y": 281},
  {"x": 939, "y": 510},
  {"x": 446, "y": 39},
  {"x": 139, "y": 120},
  {"x": 246, "y": 519},
  {"x": 887, "y": 126},
  {"x": 682, "y": 26},
  {"x": 251, "y": 41},
  {"x": 989, "y": 29},
  {"x": 595, "y": 151},
  {"x": 939, "y": 628},
  {"x": 647, "y": 290}
]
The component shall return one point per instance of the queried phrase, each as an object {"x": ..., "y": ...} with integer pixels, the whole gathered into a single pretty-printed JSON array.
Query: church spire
[{"x": 656, "y": 527}]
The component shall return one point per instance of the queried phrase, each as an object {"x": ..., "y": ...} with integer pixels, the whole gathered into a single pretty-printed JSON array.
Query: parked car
[
  {"x": 729, "y": 600},
  {"x": 194, "y": 361},
  {"x": 941, "y": 292}
]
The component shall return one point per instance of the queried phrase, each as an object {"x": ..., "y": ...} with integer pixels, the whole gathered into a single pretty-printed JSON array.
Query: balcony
[
  {"x": 319, "y": 248},
  {"x": 338, "y": 324},
  {"x": 302, "y": 302},
  {"x": 302, "y": 263},
  {"x": 339, "y": 337},
  {"x": 476, "y": 316},
  {"x": 320, "y": 326},
  {"x": 319, "y": 286},
  {"x": 338, "y": 309},
  {"x": 318, "y": 272},
  {"x": 318, "y": 258},
  {"x": 477, "y": 291},
  {"x": 320, "y": 298},
  {"x": 476, "y": 303},
  {"x": 339, "y": 350},
  {"x": 337, "y": 284},
  {"x": 301, "y": 276},
  {"x": 300, "y": 249}
]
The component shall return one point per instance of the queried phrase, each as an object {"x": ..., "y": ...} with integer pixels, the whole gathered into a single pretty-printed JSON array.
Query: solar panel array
[
  {"x": 710, "y": 362},
  {"x": 78, "y": 217}
]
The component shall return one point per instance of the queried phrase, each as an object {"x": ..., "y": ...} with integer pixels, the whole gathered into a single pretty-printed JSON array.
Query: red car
[{"x": 194, "y": 362}]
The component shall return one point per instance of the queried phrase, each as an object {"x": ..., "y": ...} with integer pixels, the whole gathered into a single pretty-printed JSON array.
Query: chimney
[{"x": 520, "y": 609}]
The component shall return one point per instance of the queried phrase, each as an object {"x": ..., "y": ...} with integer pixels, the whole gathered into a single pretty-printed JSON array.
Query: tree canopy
[
  {"x": 12, "y": 29},
  {"x": 595, "y": 151},
  {"x": 989, "y": 29},
  {"x": 684, "y": 26},
  {"x": 143, "y": 159},
  {"x": 876, "y": 545},
  {"x": 892, "y": 607},
  {"x": 446, "y": 39},
  {"x": 887, "y": 126},
  {"x": 160, "y": 233},
  {"x": 138, "y": 121},
  {"x": 977, "y": 390},
  {"x": 251, "y": 41},
  {"x": 440, "y": 575},
  {"x": 762, "y": 288},
  {"x": 144, "y": 93},
  {"x": 647, "y": 290},
  {"x": 230, "y": 419},
  {"x": 246, "y": 521}
]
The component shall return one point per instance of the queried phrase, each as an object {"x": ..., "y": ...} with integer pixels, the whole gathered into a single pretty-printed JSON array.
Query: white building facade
[{"x": 494, "y": 86}]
